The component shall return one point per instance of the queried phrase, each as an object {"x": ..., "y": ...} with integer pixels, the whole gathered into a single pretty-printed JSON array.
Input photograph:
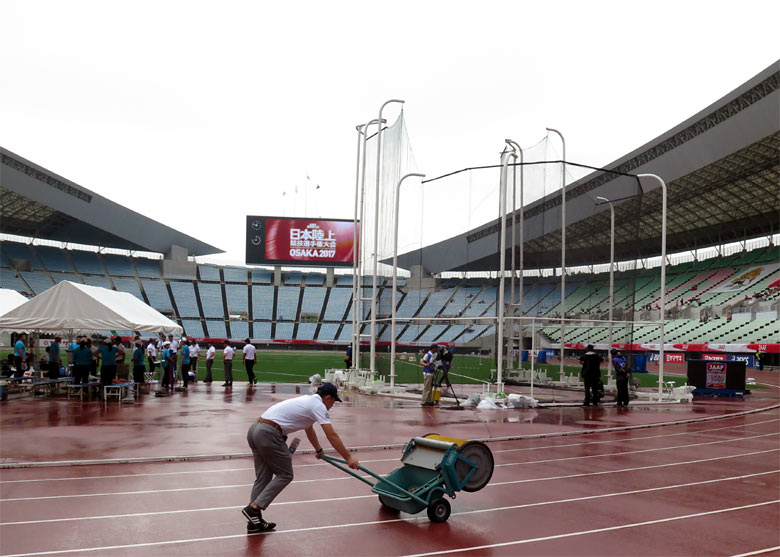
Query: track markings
[{"x": 495, "y": 509}]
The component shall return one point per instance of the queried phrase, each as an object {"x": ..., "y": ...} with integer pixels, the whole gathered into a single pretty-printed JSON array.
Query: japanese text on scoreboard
[{"x": 299, "y": 241}]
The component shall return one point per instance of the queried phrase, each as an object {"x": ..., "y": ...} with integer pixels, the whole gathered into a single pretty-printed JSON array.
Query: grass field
[{"x": 291, "y": 366}]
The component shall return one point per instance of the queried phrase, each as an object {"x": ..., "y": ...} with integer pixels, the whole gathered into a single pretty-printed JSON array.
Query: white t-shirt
[
  {"x": 174, "y": 346},
  {"x": 210, "y": 353},
  {"x": 151, "y": 350},
  {"x": 249, "y": 352},
  {"x": 229, "y": 352},
  {"x": 298, "y": 413},
  {"x": 194, "y": 351}
]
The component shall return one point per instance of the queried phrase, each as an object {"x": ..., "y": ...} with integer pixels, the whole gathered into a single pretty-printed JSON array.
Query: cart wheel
[
  {"x": 383, "y": 500},
  {"x": 479, "y": 454},
  {"x": 439, "y": 510}
]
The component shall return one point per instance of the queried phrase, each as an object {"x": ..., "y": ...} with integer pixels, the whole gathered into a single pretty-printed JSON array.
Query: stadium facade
[{"x": 721, "y": 166}]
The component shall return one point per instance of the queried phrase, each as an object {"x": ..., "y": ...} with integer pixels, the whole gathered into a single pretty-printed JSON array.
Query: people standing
[
  {"x": 429, "y": 369},
  {"x": 167, "y": 366},
  {"x": 107, "y": 355},
  {"x": 248, "y": 355},
  {"x": 194, "y": 353},
  {"x": 174, "y": 348},
  {"x": 210, "y": 353},
  {"x": 121, "y": 358},
  {"x": 82, "y": 361},
  {"x": 591, "y": 375},
  {"x": 227, "y": 358},
  {"x": 759, "y": 362},
  {"x": 622, "y": 376},
  {"x": 185, "y": 363},
  {"x": 348, "y": 357},
  {"x": 138, "y": 362},
  {"x": 54, "y": 358},
  {"x": 267, "y": 438},
  {"x": 20, "y": 355},
  {"x": 151, "y": 354}
]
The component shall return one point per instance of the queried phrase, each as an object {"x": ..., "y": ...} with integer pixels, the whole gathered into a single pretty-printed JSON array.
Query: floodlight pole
[
  {"x": 611, "y": 277},
  {"x": 563, "y": 247},
  {"x": 502, "y": 267},
  {"x": 357, "y": 279},
  {"x": 372, "y": 366},
  {"x": 663, "y": 279},
  {"x": 355, "y": 324},
  {"x": 395, "y": 270},
  {"x": 514, "y": 208}
]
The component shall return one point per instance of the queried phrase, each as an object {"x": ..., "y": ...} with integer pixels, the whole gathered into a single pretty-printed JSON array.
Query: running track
[{"x": 703, "y": 488}]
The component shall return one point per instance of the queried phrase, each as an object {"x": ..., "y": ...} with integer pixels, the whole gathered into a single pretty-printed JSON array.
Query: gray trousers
[
  {"x": 273, "y": 463},
  {"x": 229, "y": 372}
]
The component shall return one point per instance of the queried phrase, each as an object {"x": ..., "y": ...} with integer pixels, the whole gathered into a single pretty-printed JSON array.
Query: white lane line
[
  {"x": 634, "y": 438},
  {"x": 598, "y": 530},
  {"x": 218, "y": 470},
  {"x": 548, "y": 478},
  {"x": 414, "y": 519},
  {"x": 545, "y": 461},
  {"x": 636, "y": 469},
  {"x": 552, "y": 435},
  {"x": 758, "y": 551},
  {"x": 602, "y": 455}
]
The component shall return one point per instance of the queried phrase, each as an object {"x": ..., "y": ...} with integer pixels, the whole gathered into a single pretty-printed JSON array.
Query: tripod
[{"x": 443, "y": 367}]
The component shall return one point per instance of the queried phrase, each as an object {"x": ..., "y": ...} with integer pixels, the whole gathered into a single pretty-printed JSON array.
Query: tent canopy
[
  {"x": 10, "y": 299},
  {"x": 68, "y": 305}
]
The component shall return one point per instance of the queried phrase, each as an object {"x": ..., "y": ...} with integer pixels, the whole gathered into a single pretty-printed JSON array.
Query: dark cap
[
  {"x": 434, "y": 346},
  {"x": 329, "y": 389}
]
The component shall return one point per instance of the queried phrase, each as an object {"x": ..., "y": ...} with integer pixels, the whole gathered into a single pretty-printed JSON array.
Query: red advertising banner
[
  {"x": 296, "y": 241},
  {"x": 714, "y": 357},
  {"x": 674, "y": 358}
]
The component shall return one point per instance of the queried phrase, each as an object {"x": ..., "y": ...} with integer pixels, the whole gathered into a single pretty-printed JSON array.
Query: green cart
[{"x": 433, "y": 466}]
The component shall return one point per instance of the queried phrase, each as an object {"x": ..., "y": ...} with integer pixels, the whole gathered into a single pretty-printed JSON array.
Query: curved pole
[
  {"x": 563, "y": 247},
  {"x": 514, "y": 270},
  {"x": 663, "y": 278},
  {"x": 372, "y": 366},
  {"x": 501, "y": 269},
  {"x": 395, "y": 272},
  {"x": 357, "y": 277},
  {"x": 611, "y": 277}
]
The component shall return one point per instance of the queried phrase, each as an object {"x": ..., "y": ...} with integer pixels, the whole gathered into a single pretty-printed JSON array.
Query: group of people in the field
[{"x": 107, "y": 360}]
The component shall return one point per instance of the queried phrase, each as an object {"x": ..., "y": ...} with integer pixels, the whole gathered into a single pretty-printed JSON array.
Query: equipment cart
[{"x": 433, "y": 466}]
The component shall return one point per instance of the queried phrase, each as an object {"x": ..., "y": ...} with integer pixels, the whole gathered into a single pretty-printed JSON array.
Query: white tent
[
  {"x": 10, "y": 299},
  {"x": 68, "y": 305}
]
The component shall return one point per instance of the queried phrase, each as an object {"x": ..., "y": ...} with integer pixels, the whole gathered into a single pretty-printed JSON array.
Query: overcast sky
[{"x": 198, "y": 113}]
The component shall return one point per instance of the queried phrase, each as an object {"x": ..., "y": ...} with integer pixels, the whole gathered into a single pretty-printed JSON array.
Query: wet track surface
[{"x": 704, "y": 487}]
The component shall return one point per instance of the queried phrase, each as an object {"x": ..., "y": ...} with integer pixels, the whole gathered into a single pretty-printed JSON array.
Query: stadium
[{"x": 670, "y": 271}]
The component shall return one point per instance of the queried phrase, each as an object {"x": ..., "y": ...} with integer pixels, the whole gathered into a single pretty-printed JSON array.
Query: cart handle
[{"x": 337, "y": 462}]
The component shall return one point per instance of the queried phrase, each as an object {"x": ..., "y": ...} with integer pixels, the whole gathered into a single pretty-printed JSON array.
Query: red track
[{"x": 700, "y": 488}]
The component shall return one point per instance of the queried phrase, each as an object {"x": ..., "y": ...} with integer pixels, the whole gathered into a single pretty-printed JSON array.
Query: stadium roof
[
  {"x": 38, "y": 203},
  {"x": 723, "y": 179}
]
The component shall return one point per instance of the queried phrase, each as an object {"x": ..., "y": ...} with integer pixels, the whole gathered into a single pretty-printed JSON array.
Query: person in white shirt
[
  {"x": 194, "y": 352},
  {"x": 174, "y": 348},
  {"x": 151, "y": 353},
  {"x": 227, "y": 357},
  {"x": 210, "y": 353},
  {"x": 267, "y": 438},
  {"x": 248, "y": 354}
]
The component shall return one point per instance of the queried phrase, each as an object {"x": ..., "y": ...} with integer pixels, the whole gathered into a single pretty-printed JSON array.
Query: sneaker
[
  {"x": 253, "y": 515},
  {"x": 263, "y": 527},
  {"x": 225, "y": 384}
]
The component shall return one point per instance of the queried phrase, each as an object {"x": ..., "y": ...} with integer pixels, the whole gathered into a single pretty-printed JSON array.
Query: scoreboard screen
[{"x": 299, "y": 242}]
